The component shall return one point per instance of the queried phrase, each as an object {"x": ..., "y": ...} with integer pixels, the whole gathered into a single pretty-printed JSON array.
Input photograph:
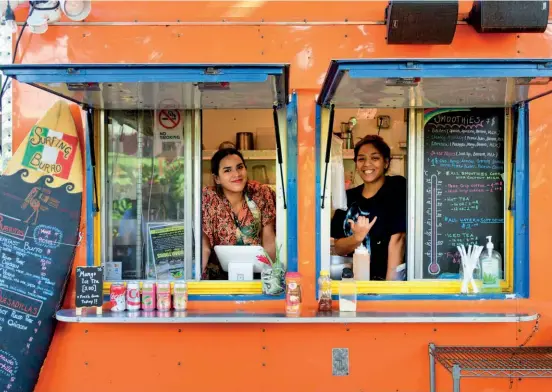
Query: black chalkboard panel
[
  {"x": 38, "y": 235},
  {"x": 89, "y": 287},
  {"x": 463, "y": 185}
]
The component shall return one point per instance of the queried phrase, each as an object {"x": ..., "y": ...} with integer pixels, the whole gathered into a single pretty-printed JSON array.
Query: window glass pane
[
  {"x": 145, "y": 194},
  {"x": 241, "y": 206},
  {"x": 455, "y": 193},
  {"x": 376, "y": 188}
]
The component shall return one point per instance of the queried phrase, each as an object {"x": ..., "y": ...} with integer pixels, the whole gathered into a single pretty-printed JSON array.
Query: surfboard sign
[{"x": 40, "y": 211}]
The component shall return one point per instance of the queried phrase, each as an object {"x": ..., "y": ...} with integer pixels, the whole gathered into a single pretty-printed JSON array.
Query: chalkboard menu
[
  {"x": 40, "y": 209},
  {"x": 89, "y": 287},
  {"x": 38, "y": 234},
  {"x": 463, "y": 185}
]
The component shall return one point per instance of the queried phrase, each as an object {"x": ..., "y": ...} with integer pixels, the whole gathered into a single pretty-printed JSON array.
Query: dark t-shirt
[{"x": 389, "y": 205}]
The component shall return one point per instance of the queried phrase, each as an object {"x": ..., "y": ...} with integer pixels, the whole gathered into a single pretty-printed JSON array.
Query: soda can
[
  {"x": 133, "y": 296},
  {"x": 164, "y": 296},
  {"x": 180, "y": 301},
  {"x": 117, "y": 297},
  {"x": 148, "y": 296}
]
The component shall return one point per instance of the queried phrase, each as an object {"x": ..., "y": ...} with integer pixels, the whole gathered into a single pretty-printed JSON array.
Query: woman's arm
[
  {"x": 360, "y": 229},
  {"x": 269, "y": 241},
  {"x": 395, "y": 254},
  {"x": 344, "y": 246},
  {"x": 205, "y": 251}
]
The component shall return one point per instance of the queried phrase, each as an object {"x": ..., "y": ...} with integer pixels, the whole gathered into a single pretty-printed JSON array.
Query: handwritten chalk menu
[
  {"x": 167, "y": 247},
  {"x": 463, "y": 185},
  {"x": 89, "y": 286},
  {"x": 40, "y": 208}
]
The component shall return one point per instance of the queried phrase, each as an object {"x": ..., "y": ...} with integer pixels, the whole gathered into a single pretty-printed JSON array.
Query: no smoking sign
[{"x": 168, "y": 119}]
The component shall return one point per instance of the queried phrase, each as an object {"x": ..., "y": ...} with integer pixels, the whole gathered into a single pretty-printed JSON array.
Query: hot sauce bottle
[
  {"x": 324, "y": 292},
  {"x": 293, "y": 293}
]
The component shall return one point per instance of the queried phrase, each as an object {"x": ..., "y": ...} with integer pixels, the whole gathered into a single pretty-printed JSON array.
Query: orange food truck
[{"x": 392, "y": 156}]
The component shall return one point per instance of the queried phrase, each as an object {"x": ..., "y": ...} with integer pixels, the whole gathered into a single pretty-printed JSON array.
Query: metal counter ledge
[{"x": 307, "y": 317}]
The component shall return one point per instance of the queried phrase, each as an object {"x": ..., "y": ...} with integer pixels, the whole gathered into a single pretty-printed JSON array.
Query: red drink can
[
  {"x": 164, "y": 296},
  {"x": 133, "y": 296},
  {"x": 148, "y": 296},
  {"x": 117, "y": 297}
]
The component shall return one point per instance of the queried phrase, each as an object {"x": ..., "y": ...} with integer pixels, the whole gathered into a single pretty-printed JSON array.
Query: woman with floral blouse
[{"x": 236, "y": 211}]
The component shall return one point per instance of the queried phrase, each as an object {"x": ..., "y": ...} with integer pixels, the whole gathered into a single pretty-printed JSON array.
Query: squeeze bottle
[{"x": 361, "y": 263}]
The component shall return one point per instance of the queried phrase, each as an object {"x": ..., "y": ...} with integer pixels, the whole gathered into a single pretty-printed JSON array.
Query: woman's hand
[
  {"x": 362, "y": 227},
  {"x": 205, "y": 251}
]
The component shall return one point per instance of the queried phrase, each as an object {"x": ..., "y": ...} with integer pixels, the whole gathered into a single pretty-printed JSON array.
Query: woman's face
[
  {"x": 232, "y": 174},
  {"x": 370, "y": 163}
]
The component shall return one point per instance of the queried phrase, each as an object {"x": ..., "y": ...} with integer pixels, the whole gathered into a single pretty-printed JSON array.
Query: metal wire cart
[{"x": 498, "y": 362}]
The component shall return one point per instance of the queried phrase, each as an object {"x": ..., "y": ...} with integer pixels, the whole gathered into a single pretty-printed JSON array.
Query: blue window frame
[
  {"x": 420, "y": 84},
  {"x": 200, "y": 86}
]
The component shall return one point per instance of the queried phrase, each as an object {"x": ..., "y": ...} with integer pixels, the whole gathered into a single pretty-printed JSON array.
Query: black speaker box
[
  {"x": 524, "y": 16},
  {"x": 421, "y": 22}
]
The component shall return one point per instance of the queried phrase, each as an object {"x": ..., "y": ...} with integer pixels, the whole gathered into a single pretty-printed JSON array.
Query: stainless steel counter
[{"x": 240, "y": 317}]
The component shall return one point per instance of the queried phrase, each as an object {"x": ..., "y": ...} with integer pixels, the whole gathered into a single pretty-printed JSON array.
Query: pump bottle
[{"x": 491, "y": 266}]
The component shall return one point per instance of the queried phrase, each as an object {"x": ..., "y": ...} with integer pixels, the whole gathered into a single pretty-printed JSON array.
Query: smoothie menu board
[
  {"x": 40, "y": 208},
  {"x": 463, "y": 185}
]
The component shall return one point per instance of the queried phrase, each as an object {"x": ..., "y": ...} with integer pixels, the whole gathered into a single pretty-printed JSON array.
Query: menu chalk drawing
[
  {"x": 41, "y": 193},
  {"x": 463, "y": 185}
]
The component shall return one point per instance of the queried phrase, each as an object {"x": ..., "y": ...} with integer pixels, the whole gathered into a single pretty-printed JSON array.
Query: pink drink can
[
  {"x": 163, "y": 296},
  {"x": 133, "y": 296},
  {"x": 180, "y": 301},
  {"x": 148, "y": 296},
  {"x": 117, "y": 297}
]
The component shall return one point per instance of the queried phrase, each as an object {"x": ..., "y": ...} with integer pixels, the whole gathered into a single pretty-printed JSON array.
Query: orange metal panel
[
  {"x": 246, "y": 11},
  {"x": 241, "y": 11},
  {"x": 308, "y": 49},
  {"x": 254, "y": 357},
  {"x": 282, "y": 357}
]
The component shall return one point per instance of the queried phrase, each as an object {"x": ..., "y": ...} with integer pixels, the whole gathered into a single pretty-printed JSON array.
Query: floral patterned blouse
[{"x": 223, "y": 227}]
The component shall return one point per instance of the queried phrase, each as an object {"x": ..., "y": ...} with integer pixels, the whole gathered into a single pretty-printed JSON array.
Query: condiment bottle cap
[
  {"x": 347, "y": 273},
  {"x": 361, "y": 249}
]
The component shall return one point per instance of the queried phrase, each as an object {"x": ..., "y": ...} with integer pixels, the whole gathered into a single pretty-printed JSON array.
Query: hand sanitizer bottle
[{"x": 491, "y": 266}]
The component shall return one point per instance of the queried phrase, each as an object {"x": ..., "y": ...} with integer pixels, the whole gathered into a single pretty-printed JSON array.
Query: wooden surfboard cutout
[{"x": 40, "y": 209}]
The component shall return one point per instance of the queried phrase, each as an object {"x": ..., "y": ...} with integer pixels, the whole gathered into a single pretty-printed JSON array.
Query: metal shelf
[
  {"x": 490, "y": 362},
  {"x": 497, "y": 361},
  {"x": 307, "y": 317},
  {"x": 248, "y": 155}
]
